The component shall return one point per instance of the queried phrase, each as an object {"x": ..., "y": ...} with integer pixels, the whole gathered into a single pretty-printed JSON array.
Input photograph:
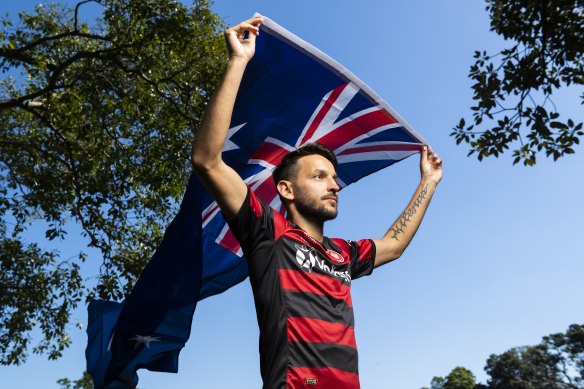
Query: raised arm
[
  {"x": 401, "y": 233},
  {"x": 224, "y": 184}
]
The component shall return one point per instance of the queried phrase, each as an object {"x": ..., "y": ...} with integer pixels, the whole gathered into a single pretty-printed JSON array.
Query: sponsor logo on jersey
[
  {"x": 308, "y": 259},
  {"x": 311, "y": 381},
  {"x": 305, "y": 257}
]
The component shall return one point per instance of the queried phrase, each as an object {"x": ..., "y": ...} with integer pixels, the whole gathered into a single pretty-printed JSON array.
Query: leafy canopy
[
  {"x": 96, "y": 122},
  {"x": 557, "y": 362},
  {"x": 458, "y": 378},
  {"x": 513, "y": 89}
]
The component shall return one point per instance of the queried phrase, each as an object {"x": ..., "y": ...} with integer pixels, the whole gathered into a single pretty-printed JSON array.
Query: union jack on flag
[{"x": 291, "y": 94}]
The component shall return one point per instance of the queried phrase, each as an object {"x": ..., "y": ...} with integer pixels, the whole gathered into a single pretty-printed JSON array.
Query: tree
[
  {"x": 85, "y": 382},
  {"x": 555, "y": 363},
  {"x": 96, "y": 121},
  {"x": 513, "y": 89},
  {"x": 524, "y": 368},
  {"x": 458, "y": 378},
  {"x": 570, "y": 349}
]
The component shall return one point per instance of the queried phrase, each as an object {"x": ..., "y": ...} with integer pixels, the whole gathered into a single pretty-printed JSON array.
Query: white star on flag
[
  {"x": 229, "y": 144},
  {"x": 145, "y": 340}
]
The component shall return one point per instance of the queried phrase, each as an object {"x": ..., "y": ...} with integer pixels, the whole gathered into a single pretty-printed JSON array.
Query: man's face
[{"x": 316, "y": 189}]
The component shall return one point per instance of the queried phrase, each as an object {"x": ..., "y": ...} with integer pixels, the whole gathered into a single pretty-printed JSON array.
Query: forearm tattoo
[{"x": 405, "y": 217}]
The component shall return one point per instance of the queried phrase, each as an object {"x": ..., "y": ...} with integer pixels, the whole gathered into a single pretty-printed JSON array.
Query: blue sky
[{"x": 497, "y": 262}]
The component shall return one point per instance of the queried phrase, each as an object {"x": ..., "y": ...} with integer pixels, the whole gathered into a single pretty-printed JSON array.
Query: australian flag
[{"x": 291, "y": 94}]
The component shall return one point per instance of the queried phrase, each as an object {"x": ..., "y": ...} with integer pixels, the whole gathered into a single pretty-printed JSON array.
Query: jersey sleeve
[
  {"x": 362, "y": 257},
  {"x": 253, "y": 226},
  {"x": 253, "y": 223}
]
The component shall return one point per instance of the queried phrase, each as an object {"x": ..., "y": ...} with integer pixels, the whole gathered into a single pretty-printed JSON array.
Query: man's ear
[{"x": 285, "y": 189}]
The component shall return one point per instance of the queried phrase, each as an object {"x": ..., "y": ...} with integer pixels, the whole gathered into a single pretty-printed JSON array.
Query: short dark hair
[{"x": 288, "y": 168}]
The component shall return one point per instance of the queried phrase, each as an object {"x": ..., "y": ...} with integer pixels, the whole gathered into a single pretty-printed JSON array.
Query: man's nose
[{"x": 333, "y": 185}]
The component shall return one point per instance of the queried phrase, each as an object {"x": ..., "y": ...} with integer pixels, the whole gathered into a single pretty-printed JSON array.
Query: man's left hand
[{"x": 430, "y": 165}]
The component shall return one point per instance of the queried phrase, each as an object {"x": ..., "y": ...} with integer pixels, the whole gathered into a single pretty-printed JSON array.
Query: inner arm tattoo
[{"x": 405, "y": 217}]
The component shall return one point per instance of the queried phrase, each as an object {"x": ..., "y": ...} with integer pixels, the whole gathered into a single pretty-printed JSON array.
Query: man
[{"x": 300, "y": 278}]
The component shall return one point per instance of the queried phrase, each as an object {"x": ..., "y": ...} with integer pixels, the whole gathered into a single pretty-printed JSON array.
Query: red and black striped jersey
[{"x": 302, "y": 296}]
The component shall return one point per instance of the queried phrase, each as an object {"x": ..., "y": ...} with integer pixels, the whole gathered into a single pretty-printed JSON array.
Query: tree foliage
[
  {"x": 555, "y": 363},
  {"x": 513, "y": 89},
  {"x": 96, "y": 121},
  {"x": 85, "y": 382},
  {"x": 524, "y": 367},
  {"x": 458, "y": 378}
]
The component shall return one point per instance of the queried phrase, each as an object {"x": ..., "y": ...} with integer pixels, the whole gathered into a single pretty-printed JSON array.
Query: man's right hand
[
  {"x": 222, "y": 182},
  {"x": 240, "y": 48}
]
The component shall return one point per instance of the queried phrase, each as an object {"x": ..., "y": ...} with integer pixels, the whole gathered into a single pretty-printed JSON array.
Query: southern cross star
[
  {"x": 145, "y": 340},
  {"x": 229, "y": 144}
]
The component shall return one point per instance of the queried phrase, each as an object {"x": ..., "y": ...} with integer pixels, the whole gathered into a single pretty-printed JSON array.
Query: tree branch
[
  {"x": 17, "y": 53},
  {"x": 52, "y": 82}
]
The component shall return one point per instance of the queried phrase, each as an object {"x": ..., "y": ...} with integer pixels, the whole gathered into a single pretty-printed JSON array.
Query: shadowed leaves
[
  {"x": 513, "y": 89},
  {"x": 96, "y": 121}
]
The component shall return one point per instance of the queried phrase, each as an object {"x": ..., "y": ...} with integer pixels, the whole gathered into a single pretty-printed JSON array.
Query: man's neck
[{"x": 313, "y": 228}]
